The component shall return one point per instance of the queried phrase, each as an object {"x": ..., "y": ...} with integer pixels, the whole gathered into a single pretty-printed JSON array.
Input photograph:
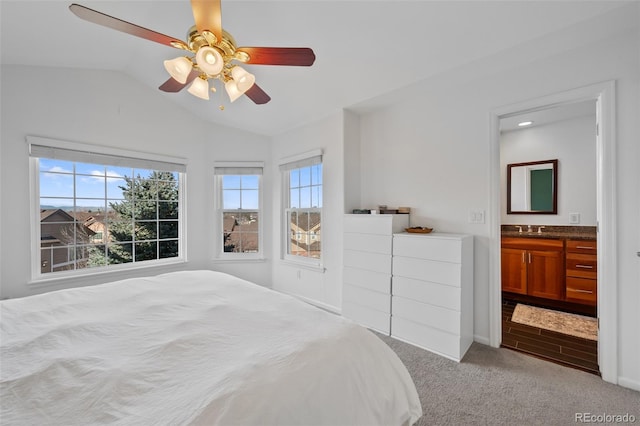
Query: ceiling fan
[{"x": 213, "y": 54}]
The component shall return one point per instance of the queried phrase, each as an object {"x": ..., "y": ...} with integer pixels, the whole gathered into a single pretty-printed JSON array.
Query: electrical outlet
[
  {"x": 476, "y": 216},
  {"x": 574, "y": 218}
]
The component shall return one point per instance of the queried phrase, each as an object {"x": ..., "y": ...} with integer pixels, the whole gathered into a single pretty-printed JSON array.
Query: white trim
[
  {"x": 629, "y": 383},
  {"x": 238, "y": 164},
  {"x": 103, "y": 150},
  {"x": 300, "y": 157},
  {"x": 39, "y": 279},
  {"x": 604, "y": 94},
  {"x": 219, "y": 254}
]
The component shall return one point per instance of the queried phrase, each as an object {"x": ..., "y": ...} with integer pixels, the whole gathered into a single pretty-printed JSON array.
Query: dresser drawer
[
  {"x": 373, "y": 299},
  {"x": 428, "y": 247},
  {"x": 429, "y": 315},
  {"x": 582, "y": 265},
  {"x": 582, "y": 290},
  {"x": 370, "y": 243},
  {"x": 428, "y": 270},
  {"x": 376, "y": 281},
  {"x": 426, "y": 337},
  {"x": 582, "y": 246},
  {"x": 370, "y": 261},
  {"x": 436, "y": 294},
  {"x": 368, "y": 317}
]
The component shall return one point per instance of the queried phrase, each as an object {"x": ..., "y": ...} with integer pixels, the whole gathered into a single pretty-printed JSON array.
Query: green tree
[{"x": 148, "y": 212}]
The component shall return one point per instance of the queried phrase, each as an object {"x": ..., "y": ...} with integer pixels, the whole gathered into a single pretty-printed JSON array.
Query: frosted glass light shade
[
  {"x": 232, "y": 90},
  {"x": 209, "y": 60},
  {"x": 199, "y": 88},
  {"x": 243, "y": 79},
  {"x": 178, "y": 68}
]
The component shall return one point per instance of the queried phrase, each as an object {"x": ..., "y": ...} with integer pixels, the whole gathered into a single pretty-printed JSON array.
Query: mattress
[{"x": 193, "y": 347}]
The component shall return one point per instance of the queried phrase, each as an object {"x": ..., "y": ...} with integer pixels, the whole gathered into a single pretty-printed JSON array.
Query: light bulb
[
  {"x": 179, "y": 68},
  {"x": 243, "y": 79},
  {"x": 199, "y": 88},
  {"x": 210, "y": 60},
  {"x": 232, "y": 90}
]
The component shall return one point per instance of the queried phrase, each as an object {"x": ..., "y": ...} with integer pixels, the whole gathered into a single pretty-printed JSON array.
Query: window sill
[
  {"x": 113, "y": 273},
  {"x": 304, "y": 265},
  {"x": 239, "y": 260}
]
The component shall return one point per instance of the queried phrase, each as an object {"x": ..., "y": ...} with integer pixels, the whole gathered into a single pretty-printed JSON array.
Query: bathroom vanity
[{"x": 552, "y": 263}]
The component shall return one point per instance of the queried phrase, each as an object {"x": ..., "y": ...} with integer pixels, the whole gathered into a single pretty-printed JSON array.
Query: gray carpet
[{"x": 502, "y": 387}]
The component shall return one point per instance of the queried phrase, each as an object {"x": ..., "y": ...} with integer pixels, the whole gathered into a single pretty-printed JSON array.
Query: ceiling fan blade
[
  {"x": 173, "y": 86},
  {"x": 298, "y": 56},
  {"x": 208, "y": 16},
  {"x": 126, "y": 27},
  {"x": 257, "y": 95}
]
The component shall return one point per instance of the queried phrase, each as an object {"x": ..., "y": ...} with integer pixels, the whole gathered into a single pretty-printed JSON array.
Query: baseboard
[
  {"x": 629, "y": 383},
  {"x": 481, "y": 339}
]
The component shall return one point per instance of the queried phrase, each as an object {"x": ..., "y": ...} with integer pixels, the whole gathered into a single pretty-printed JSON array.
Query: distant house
[
  {"x": 306, "y": 236},
  {"x": 96, "y": 221},
  {"x": 62, "y": 240},
  {"x": 240, "y": 236}
]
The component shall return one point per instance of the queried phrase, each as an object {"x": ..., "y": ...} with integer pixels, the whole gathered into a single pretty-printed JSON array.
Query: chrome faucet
[
  {"x": 529, "y": 229},
  {"x": 540, "y": 229},
  {"x": 519, "y": 228}
]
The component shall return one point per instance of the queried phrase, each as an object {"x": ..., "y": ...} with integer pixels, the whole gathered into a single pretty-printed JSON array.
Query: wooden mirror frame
[{"x": 554, "y": 168}]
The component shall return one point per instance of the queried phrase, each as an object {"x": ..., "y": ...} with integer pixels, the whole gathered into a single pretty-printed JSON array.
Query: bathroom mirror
[{"x": 532, "y": 188}]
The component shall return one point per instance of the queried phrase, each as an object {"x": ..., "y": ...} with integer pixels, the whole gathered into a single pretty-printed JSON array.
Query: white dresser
[
  {"x": 432, "y": 292},
  {"x": 366, "y": 289}
]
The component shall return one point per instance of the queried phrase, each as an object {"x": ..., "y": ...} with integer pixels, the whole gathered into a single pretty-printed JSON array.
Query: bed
[{"x": 193, "y": 347}]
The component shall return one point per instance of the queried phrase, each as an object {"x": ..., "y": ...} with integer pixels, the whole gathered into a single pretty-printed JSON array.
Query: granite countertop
[{"x": 550, "y": 231}]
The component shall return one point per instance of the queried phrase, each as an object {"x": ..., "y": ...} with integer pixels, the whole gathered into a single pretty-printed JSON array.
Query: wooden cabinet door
[
  {"x": 545, "y": 277},
  {"x": 514, "y": 270}
]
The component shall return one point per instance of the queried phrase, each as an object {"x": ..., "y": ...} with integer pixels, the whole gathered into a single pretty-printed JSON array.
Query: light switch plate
[
  {"x": 574, "y": 218},
  {"x": 476, "y": 216}
]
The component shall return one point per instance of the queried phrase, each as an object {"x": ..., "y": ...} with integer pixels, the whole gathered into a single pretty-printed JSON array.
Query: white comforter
[{"x": 196, "y": 347}]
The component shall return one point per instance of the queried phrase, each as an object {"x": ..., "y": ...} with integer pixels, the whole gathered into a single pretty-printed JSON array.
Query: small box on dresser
[
  {"x": 366, "y": 289},
  {"x": 432, "y": 292}
]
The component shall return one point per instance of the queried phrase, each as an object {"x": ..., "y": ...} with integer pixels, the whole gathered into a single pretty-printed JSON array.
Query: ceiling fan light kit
[{"x": 215, "y": 53}]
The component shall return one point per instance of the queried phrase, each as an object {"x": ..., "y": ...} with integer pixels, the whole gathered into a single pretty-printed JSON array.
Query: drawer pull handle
[
  {"x": 585, "y": 247},
  {"x": 584, "y": 266},
  {"x": 582, "y": 291}
]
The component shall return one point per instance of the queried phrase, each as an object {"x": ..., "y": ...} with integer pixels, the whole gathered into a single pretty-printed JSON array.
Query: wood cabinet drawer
[
  {"x": 582, "y": 246},
  {"x": 582, "y": 265},
  {"x": 545, "y": 244},
  {"x": 582, "y": 290}
]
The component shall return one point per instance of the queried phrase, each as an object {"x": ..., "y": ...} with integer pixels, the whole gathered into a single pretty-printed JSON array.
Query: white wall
[
  {"x": 430, "y": 148},
  {"x": 110, "y": 109},
  {"x": 573, "y": 143},
  {"x": 322, "y": 287}
]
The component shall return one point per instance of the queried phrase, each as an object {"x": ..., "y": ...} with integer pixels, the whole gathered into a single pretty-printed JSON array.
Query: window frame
[
  {"x": 219, "y": 168},
  {"x": 288, "y": 164},
  {"x": 59, "y": 147}
]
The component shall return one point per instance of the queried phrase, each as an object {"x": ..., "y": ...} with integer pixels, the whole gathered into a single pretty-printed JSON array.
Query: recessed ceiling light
[{"x": 525, "y": 123}]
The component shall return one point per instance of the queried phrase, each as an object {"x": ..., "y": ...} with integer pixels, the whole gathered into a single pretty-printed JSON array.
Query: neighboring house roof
[
  {"x": 57, "y": 226},
  {"x": 312, "y": 225}
]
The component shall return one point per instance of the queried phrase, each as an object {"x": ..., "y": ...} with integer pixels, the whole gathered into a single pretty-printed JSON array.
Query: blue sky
[{"x": 92, "y": 183}]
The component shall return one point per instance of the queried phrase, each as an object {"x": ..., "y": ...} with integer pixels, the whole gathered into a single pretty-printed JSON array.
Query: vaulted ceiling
[{"x": 363, "y": 48}]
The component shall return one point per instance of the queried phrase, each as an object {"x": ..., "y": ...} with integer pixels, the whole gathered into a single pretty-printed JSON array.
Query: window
[
  {"x": 98, "y": 210},
  {"x": 303, "y": 207},
  {"x": 239, "y": 205}
]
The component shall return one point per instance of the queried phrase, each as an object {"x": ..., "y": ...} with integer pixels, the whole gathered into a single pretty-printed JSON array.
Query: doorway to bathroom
[
  {"x": 557, "y": 262},
  {"x": 548, "y": 234}
]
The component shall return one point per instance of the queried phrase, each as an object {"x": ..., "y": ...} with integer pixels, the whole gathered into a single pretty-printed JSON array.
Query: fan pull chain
[{"x": 221, "y": 97}]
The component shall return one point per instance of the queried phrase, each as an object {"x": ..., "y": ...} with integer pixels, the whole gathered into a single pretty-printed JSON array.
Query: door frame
[{"x": 604, "y": 95}]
